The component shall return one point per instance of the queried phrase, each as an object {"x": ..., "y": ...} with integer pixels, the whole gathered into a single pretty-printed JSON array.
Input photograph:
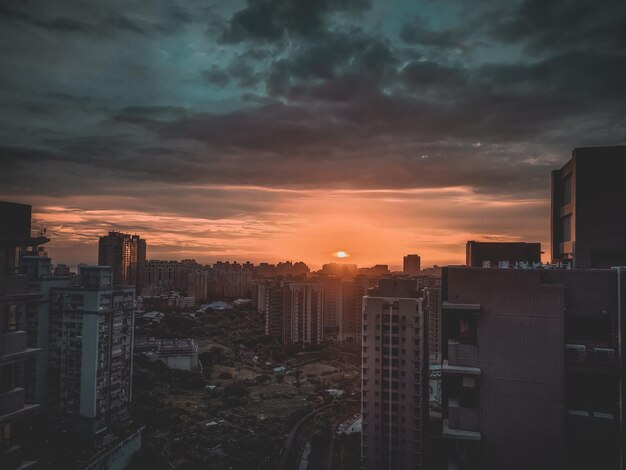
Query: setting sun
[{"x": 341, "y": 254}]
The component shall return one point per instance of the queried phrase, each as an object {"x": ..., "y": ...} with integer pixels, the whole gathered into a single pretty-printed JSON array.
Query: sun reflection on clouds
[{"x": 379, "y": 226}]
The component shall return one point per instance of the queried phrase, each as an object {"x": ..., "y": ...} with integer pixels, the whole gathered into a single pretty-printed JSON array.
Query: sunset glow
[{"x": 269, "y": 224}]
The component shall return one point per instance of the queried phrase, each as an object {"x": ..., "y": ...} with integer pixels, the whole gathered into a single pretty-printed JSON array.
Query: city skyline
[{"x": 237, "y": 129}]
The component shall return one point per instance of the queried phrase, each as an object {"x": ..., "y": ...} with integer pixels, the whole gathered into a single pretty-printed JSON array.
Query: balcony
[
  {"x": 449, "y": 432},
  {"x": 16, "y": 285},
  {"x": 12, "y": 343},
  {"x": 465, "y": 355},
  {"x": 463, "y": 419},
  {"x": 580, "y": 356},
  {"x": 457, "y": 307},
  {"x": 592, "y": 424},
  {"x": 11, "y": 401},
  {"x": 17, "y": 288}
]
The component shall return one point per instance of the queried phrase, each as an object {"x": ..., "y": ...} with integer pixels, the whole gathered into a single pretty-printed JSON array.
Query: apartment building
[
  {"x": 91, "y": 351},
  {"x": 394, "y": 387},
  {"x": 532, "y": 368},
  {"x": 16, "y": 357}
]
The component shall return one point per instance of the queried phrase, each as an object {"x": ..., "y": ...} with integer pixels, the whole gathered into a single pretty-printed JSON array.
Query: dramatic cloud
[{"x": 289, "y": 118}]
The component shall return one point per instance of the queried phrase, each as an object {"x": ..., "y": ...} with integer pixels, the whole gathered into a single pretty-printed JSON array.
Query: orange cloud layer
[{"x": 374, "y": 226}]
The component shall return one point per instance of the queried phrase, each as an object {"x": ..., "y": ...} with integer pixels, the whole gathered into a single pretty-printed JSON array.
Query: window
[
  {"x": 467, "y": 330},
  {"x": 10, "y": 318},
  {"x": 567, "y": 228},
  {"x": 567, "y": 189}
]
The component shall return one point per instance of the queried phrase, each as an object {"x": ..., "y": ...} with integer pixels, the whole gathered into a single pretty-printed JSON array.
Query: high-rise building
[
  {"x": 277, "y": 309},
  {"x": 432, "y": 296},
  {"x": 126, "y": 255},
  {"x": 352, "y": 293},
  {"x": 491, "y": 254},
  {"x": 198, "y": 284},
  {"x": 333, "y": 307},
  {"x": 91, "y": 352},
  {"x": 532, "y": 368},
  {"x": 38, "y": 271},
  {"x": 394, "y": 386},
  {"x": 412, "y": 265},
  {"x": 589, "y": 208},
  {"x": 304, "y": 322},
  {"x": 16, "y": 357}
]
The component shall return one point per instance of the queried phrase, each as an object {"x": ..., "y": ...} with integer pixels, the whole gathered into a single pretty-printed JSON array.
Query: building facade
[
  {"x": 588, "y": 226},
  {"x": 412, "y": 265},
  {"x": 394, "y": 389},
  {"x": 491, "y": 254},
  {"x": 304, "y": 322},
  {"x": 90, "y": 353},
  {"x": 126, "y": 255},
  {"x": 16, "y": 357},
  {"x": 531, "y": 372}
]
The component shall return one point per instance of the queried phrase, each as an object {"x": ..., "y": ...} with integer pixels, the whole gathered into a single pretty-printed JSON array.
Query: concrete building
[
  {"x": 198, "y": 285},
  {"x": 91, "y": 351},
  {"x": 333, "y": 307},
  {"x": 126, "y": 254},
  {"x": 532, "y": 368},
  {"x": 163, "y": 274},
  {"x": 174, "y": 353},
  {"x": 491, "y": 254},
  {"x": 412, "y": 265},
  {"x": 352, "y": 309},
  {"x": 431, "y": 288},
  {"x": 15, "y": 355},
  {"x": 38, "y": 271},
  {"x": 277, "y": 309},
  {"x": 589, "y": 209},
  {"x": 304, "y": 322},
  {"x": 394, "y": 386}
]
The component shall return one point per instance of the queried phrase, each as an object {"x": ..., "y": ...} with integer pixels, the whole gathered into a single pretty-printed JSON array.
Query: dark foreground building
[
  {"x": 15, "y": 355},
  {"x": 589, "y": 208},
  {"x": 479, "y": 253},
  {"x": 532, "y": 368}
]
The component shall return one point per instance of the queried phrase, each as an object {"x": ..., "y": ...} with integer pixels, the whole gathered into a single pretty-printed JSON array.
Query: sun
[{"x": 341, "y": 254}]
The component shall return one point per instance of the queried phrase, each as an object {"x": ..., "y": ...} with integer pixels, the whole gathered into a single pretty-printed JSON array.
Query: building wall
[
  {"x": 394, "y": 382},
  {"x": 478, "y": 253},
  {"x": 595, "y": 207},
  {"x": 519, "y": 350},
  {"x": 306, "y": 313},
  {"x": 90, "y": 356}
]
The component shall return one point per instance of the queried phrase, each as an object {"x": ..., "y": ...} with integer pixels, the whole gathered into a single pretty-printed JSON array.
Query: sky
[{"x": 268, "y": 130}]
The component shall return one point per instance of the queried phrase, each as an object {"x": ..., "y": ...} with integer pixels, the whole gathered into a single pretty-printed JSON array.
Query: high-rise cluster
[{"x": 66, "y": 348}]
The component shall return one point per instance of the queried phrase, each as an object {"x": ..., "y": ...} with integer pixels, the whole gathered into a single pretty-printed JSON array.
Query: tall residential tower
[
  {"x": 126, "y": 255},
  {"x": 394, "y": 385}
]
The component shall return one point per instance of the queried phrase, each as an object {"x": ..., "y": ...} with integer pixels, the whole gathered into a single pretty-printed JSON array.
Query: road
[{"x": 284, "y": 457}]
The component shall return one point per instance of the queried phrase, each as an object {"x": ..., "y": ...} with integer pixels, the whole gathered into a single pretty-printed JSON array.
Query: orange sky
[{"x": 373, "y": 226}]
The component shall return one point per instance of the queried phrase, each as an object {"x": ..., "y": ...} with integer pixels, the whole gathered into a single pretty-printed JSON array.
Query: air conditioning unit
[
  {"x": 604, "y": 355},
  {"x": 575, "y": 353}
]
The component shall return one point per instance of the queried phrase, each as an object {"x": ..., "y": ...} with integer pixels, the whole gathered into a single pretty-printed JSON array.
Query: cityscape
[
  {"x": 312, "y": 235},
  {"x": 503, "y": 362}
]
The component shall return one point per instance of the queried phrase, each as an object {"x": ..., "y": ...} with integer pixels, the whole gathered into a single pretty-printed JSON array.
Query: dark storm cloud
[
  {"x": 418, "y": 33},
  {"x": 309, "y": 94},
  {"x": 563, "y": 24},
  {"x": 271, "y": 19}
]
